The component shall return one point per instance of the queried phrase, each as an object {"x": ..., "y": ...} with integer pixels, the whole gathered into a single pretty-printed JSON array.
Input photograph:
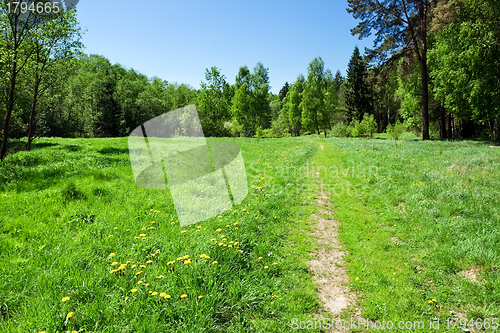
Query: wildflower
[
  {"x": 167, "y": 296},
  {"x": 127, "y": 230},
  {"x": 236, "y": 228},
  {"x": 275, "y": 263},
  {"x": 110, "y": 236},
  {"x": 151, "y": 228},
  {"x": 65, "y": 299},
  {"x": 260, "y": 258},
  {"x": 187, "y": 262},
  {"x": 69, "y": 315},
  {"x": 154, "y": 293},
  {"x": 197, "y": 230},
  {"x": 136, "y": 237},
  {"x": 213, "y": 239},
  {"x": 153, "y": 222},
  {"x": 114, "y": 263},
  {"x": 113, "y": 271},
  {"x": 227, "y": 226},
  {"x": 184, "y": 296},
  {"x": 143, "y": 238},
  {"x": 122, "y": 267},
  {"x": 228, "y": 245},
  {"x": 153, "y": 254},
  {"x": 172, "y": 222},
  {"x": 160, "y": 277},
  {"x": 157, "y": 251},
  {"x": 218, "y": 230},
  {"x": 220, "y": 244},
  {"x": 142, "y": 266},
  {"x": 430, "y": 302},
  {"x": 142, "y": 235},
  {"x": 150, "y": 210},
  {"x": 239, "y": 251},
  {"x": 183, "y": 231},
  {"x": 186, "y": 256},
  {"x": 138, "y": 273},
  {"x": 139, "y": 282},
  {"x": 357, "y": 278},
  {"x": 115, "y": 228},
  {"x": 222, "y": 236},
  {"x": 112, "y": 254},
  {"x": 133, "y": 266},
  {"x": 214, "y": 263},
  {"x": 204, "y": 256},
  {"x": 199, "y": 227},
  {"x": 180, "y": 258},
  {"x": 236, "y": 243},
  {"x": 126, "y": 298},
  {"x": 147, "y": 284},
  {"x": 200, "y": 297}
]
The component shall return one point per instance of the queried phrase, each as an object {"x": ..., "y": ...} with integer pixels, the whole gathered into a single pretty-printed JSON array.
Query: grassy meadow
[{"x": 82, "y": 248}]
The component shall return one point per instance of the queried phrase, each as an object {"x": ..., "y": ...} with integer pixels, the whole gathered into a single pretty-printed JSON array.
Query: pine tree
[{"x": 357, "y": 90}]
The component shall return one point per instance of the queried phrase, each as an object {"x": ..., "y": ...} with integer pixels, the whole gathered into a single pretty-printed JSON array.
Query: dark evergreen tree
[
  {"x": 358, "y": 96},
  {"x": 284, "y": 91},
  {"x": 338, "y": 80}
]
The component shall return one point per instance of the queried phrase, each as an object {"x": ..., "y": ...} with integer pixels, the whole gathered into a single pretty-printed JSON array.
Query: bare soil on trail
[{"x": 328, "y": 265}]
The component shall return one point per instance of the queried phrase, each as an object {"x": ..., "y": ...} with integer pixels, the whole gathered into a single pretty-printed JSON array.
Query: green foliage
[
  {"x": 340, "y": 130},
  {"x": 396, "y": 131},
  {"x": 357, "y": 92},
  {"x": 369, "y": 125},
  {"x": 292, "y": 107}
]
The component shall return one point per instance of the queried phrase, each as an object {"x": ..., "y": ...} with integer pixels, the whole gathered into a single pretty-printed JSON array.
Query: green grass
[
  {"x": 71, "y": 203},
  {"x": 414, "y": 216}
]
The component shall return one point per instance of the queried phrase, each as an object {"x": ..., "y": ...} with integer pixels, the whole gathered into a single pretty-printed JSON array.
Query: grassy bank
[{"x": 83, "y": 248}]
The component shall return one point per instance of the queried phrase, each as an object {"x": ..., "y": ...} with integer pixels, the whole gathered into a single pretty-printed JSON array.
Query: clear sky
[{"x": 178, "y": 40}]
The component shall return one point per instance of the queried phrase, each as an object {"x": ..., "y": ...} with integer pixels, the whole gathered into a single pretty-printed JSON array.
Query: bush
[
  {"x": 368, "y": 125},
  {"x": 339, "y": 130},
  {"x": 395, "y": 131}
]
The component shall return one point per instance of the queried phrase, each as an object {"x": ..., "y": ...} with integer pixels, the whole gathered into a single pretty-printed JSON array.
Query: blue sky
[{"x": 178, "y": 40}]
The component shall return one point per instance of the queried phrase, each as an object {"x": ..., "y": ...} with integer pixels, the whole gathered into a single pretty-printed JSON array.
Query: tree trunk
[
  {"x": 450, "y": 130},
  {"x": 31, "y": 132},
  {"x": 442, "y": 123},
  {"x": 425, "y": 98},
  {"x": 10, "y": 107}
]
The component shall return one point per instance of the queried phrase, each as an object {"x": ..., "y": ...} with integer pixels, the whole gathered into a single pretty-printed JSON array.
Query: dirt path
[{"x": 328, "y": 263}]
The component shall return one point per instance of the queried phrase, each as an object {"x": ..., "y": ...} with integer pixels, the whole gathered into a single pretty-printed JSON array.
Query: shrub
[
  {"x": 368, "y": 125},
  {"x": 340, "y": 130},
  {"x": 395, "y": 131}
]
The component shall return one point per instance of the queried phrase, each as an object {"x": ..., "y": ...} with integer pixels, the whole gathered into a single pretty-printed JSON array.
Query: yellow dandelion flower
[
  {"x": 183, "y": 231},
  {"x": 236, "y": 228},
  {"x": 154, "y": 293},
  {"x": 147, "y": 284},
  {"x": 163, "y": 294},
  {"x": 74, "y": 331},
  {"x": 69, "y": 315},
  {"x": 143, "y": 238},
  {"x": 235, "y": 223},
  {"x": 133, "y": 266},
  {"x": 114, "y": 263},
  {"x": 220, "y": 244},
  {"x": 167, "y": 296},
  {"x": 200, "y": 297},
  {"x": 172, "y": 222},
  {"x": 184, "y": 296},
  {"x": 218, "y": 230},
  {"x": 228, "y": 245},
  {"x": 157, "y": 251},
  {"x": 430, "y": 302},
  {"x": 275, "y": 263},
  {"x": 150, "y": 228},
  {"x": 110, "y": 236},
  {"x": 186, "y": 256},
  {"x": 139, "y": 282},
  {"x": 260, "y": 258},
  {"x": 115, "y": 228},
  {"x": 113, "y": 271},
  {"x": 127, "y": 230},
  {"x": 239, "y": 251},
  {"x": 138, "y": 273},
  {"x": 150, "y": 291},
  {"x": 150, "y": 210},
  {"x": 153, "y": 222},
  {"x": 180, "y": 258},
  {"x": 136, "y": 237},
  {"x": 434, "y": 300},
  {"x": 357, "y": 278},
  {"x": 197, "y": 230},
  {"x": 236, "y": 243},
  {"x": 213, "y": 239},
  {"x": 266, "y": 267},
  {"x": 142, "y": 266},
  {"x": 65, "y": 299},
  {"x": 187, "y": 261},
  {"x": 149, "y": 261},
  {"x": 126, "y": 298},
  {"x": 224, "y": 239},
  {"x": 142, "y": 235},
  {"x": 153, "y": 254},
  {"x": 160, "y": 277},
  {"x": 112, "y": 254},
  {"x": 214, "y": 263},
  {"x": 199, "y": 227},
  {"x": 227, "y": 226}
]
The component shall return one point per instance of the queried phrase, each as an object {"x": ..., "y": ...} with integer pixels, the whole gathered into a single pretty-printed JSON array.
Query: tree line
[{"x": 435, "y": 65}]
